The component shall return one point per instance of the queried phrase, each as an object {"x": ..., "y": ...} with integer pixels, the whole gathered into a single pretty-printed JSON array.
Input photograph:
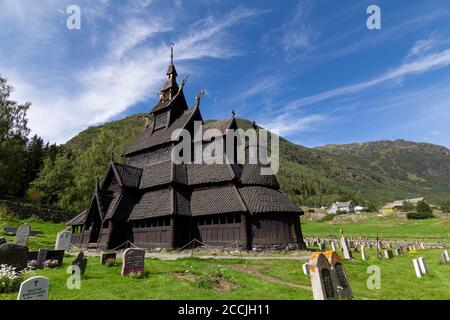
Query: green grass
[
  {"x": 387, "y": 228},
  {"x": 46, "y": 240},
  {"x": 398, "y": 280}
]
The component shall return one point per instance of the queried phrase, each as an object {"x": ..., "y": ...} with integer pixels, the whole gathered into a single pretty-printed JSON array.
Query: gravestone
[
  {"x": 133, "y": 261},
  {"x": 338, "y": 275},
  {"x": 14, "y": 255},
  {"x": 32, "y": 255},
  {"x": 306, "y": 243},
  {"x": 107, "y": 256},
  {"x": 2, "y": 241},
  {"x": 56, "y": 255},
  {"x": 321, "y": 281},
  {"x": 397, "y": 252},
  {"x": 81, "y": 262},
  {"x": 333, "y": 246},
  {"x": 363, "y": 253},
  {"x": 417, "y": 268},
  {"x": 305, "y": 268},
  {"x": 446, "y": 256},
  {"x": 35, "y": 288},
  {"x": 422, "y": 265},
  {"x": 9, "y": 231},
  {"x": 41, "y": 257},
  {"x": 322, "y": 246},
  {"x": 22, "y": 234},
  {"x": 388, "y": 254},
  {"x": 345, "y": 249},
  {"x": 63, "y": 240}
]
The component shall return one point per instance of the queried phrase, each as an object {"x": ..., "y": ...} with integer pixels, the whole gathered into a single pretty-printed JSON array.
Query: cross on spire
[{"x": 171, "y": 52}]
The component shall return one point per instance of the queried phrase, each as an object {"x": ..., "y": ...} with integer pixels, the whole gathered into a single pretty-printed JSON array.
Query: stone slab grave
[
  {"x": 417, "y": 269},
  {"x": 397, "y": 252},
  {"x": 339, "y": 276},
  {"x": 422, "y": 265},
  {"x": 305, "y": 268},
  {"x": 345, "y": 248},
  {"x": 63, "y": 240},
  {"x": 363, "y": 253},
  {"x": 333, "y": 246},
  {"x": 14, "y": 255},
  {"x": 388, "y": 254},
  {"x": 41, "y": 257},
  {"x": 81, "y": 262},
  {"x": 56, "y": 255},
  {"x": 35, "y": 288},
  {"x": 133, "y": 261},
  {"x": 22, "y": 234},
  {"x": 322, "y": 246},
  {"x": 107, "y": 256},
  {"x": 321, "y": 281},
  {"x": 446, "y": 256}
]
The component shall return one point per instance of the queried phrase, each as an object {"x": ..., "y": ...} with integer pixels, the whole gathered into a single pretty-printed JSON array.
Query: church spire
[{"x": 170, "y": 88}]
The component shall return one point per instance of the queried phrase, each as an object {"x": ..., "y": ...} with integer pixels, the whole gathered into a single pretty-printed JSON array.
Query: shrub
[
  {"x": 424, "y": 208},
  {"x": 53, "y": 263},
  {"x": 10, "y": 279},
  {"x": 34, "y": 195},
  {"x": 419, "y": 215}
]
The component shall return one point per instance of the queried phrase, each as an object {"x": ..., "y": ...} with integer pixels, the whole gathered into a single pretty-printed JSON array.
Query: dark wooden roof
[
  {"x": 265, "y": 200},
  {"x": 155, "y": 203},
  {"x": 178, "y": 100},
  {"x": 216, "y": 200},
  {"x": 129, "y": 176},
  {"x": 206, "y": 174},
  {"x": 149, "y": 138},
  {"x": 78, "y": 220},
  {"x": 157, "y": 174},
  {"x": 251, "y": 176}
]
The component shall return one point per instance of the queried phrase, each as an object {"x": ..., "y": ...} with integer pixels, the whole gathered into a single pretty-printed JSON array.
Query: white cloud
[
  {"x": 288, "y": 123},
  {"x": 128, "y": 72}
]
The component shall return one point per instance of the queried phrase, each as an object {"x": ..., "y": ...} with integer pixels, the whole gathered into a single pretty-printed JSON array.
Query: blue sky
[{"x": 310, "y": 68}]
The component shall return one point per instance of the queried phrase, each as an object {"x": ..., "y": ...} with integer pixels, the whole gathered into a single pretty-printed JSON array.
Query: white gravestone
[
  {"x": 333, "y": 246},
  {"x": 22, "y": 234},
  {"x": 305, "y": 268},
  {"x": 388, "y": 254},
  {"x": 35, "y": 288},
  {"x": 345, "y": 248},
  {"x": 321, "y": 281},
  {"x": 63, "y": 240},
  {"x": 422, "y": 265},
  {"x": 338, "y": 275},
  {"x": 446, "y": 256},
  {"x": 417, "y": 268},
  {"x": 363, "y": 253}
]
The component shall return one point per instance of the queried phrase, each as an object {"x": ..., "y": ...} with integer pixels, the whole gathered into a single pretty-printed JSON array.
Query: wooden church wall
[
  {"x": 273, "y": 229},
  {"x": 219, "y": 229}
]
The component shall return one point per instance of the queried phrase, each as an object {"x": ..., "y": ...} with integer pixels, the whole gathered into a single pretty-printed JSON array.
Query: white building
[{"x": 348, "y": 207}]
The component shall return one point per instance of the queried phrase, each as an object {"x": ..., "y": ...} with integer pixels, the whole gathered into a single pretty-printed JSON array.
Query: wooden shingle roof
[
  {"x": 216, "y": 200},
  {"x": 155, "y": 203},
  {"x": 214, "y": 173},
  {"x": 157, "y": 174},
  {"x": 251, "y": 176},
  {"x": 128, "y": 176},
  {"x": 266, "y": 200},
  {"x": 78, "y": 220}
]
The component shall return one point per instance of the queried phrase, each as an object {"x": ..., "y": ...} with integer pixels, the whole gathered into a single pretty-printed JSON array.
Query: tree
[
  {"x": 424, "y": 208},
  {"x": 13, "y": 139},
  {"x": 34, "y": 159},
  {"x": 54, "y": 179},
  {"x": 407, "y": 206},
  {"x": 445, "y": 205}
]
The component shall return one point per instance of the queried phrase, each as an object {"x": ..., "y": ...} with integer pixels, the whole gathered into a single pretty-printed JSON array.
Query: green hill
[{"x": 371, "y": 173}]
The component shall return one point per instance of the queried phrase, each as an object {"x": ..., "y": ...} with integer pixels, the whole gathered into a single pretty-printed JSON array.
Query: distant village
[{"x": 396, "y": 206}]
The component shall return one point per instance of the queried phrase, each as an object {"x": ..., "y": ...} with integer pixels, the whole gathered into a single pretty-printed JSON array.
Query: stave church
[{"x": 153, "y": 202}]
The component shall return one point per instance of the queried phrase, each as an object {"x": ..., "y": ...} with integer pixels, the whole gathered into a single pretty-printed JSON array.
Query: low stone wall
[{"x": 25, "y": 211}]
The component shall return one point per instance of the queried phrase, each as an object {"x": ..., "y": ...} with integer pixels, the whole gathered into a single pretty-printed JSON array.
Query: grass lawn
[
  {"x": 187, "y": 278},
  {"x": 387, "y": 228}
]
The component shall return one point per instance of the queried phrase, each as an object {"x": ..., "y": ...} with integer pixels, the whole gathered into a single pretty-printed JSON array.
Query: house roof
[
  {"x": 78, "y": 220},
  {"x": 155, "y": 203},
  {"x": 399, "y": 203},
  {"x": 265, "y": 200},
  {"x": 157, "y": 174},
  {"x": 251, "y": 175},
  {"x": 342, "y": 204},
  {"x": 129, "y": 176},
  {"x": 204, "y": 173},
  {"x": 216, "y": 200},
  {"x": 149, "y": 138}
]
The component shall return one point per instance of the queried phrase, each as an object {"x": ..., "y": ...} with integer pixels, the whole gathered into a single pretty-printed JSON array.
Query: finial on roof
[
  {"x": 233, "y": 113},
  {"x": 198, "y": 96},
  {"x": 254, "y": 125},
  {"x": 171, "y": 52},
  {"x": 183, "y": 82}
]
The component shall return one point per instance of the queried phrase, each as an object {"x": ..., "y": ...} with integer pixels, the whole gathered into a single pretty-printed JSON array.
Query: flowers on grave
[
  {"x": 10, "y": 278},
  {"x": 32, "y": 264},
  {"x": 52, "y": 263}
]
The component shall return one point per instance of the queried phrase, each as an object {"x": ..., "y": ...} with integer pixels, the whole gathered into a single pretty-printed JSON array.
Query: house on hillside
[
  {"x": 360, "y": 209},
  {"x": 348, "y": 207},
  {"x": 397, "y": 206}
]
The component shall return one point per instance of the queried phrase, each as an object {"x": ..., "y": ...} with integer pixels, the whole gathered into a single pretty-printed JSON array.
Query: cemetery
[{"x": 217, "y": 273}]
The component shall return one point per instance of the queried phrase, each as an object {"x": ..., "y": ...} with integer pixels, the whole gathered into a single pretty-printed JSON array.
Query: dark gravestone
[
  {"x": 14, "y": 255},
  {"x": 10, "y": 231},
  {"x": 41, "y": 257},
  {"x": 36, "y": 233},
  {"x": 107, "y": 256},
  {"x": 133, "y": 261},
  {"x": 32, "y": 255},
  {"x": 81, "y": 262},
  {"x": 56, "y": 255},
  {"x": 328, "y": 284},
  {"x": 2, "y": 241}
]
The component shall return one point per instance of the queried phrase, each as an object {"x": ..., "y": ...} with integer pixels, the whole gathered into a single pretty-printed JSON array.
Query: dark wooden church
[{"x": 153, "y": 202}]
